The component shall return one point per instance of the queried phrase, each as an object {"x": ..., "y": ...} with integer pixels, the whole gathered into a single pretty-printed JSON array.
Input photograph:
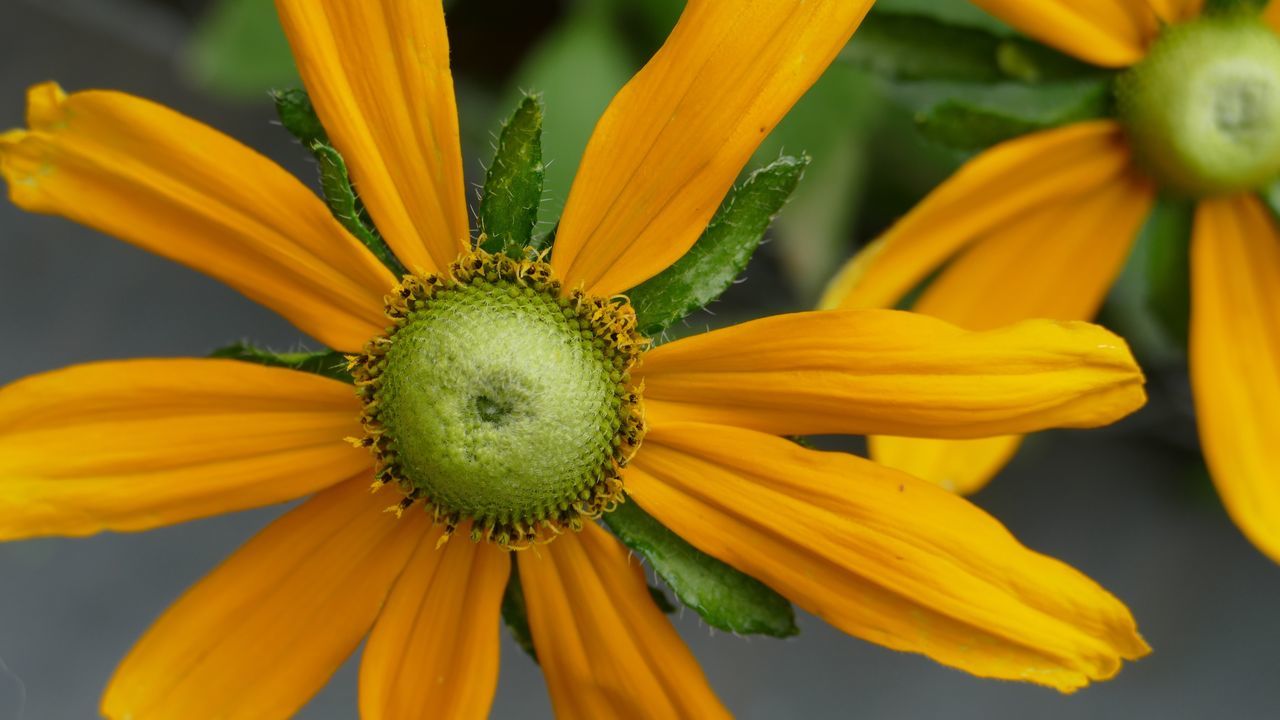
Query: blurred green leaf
[
  {"x": 904, "y": 47},
  {"x": 1230, "y": 6},
  {"x": 831, "y": 124},
  {"x": 299, "y": 118},
  {"x": 577, "y": 69},
  {"x": 952, "y": 12},
  {"x": 967, "y": 116},
  {"x": 654, "y": 18},
  {"x": 1271, "y": 197},
  {"x": 515, "y": 614},
  {"x": 1168, "y": 248},
  {"x": 725, "y": 598},
  {"x": 328, "y": 363},
  {"x": 918, "y": 47},
  {"x": 513, "y": 185},
  {"x": 1149, "y": 281},
  {"x": 239, "y": 50},
  {"x": 722, "y": 252}
]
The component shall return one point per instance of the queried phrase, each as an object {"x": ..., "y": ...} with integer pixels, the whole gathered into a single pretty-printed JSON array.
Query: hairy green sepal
[
  {"x": 724, "y": 597},
  {"x": 1203, "y": 108},
  {"x": 722, "y": 252},
  {"x": 513, "y": 185},
  {"x": 328, "y": 363},
  {"x": 299, "y": 117}
]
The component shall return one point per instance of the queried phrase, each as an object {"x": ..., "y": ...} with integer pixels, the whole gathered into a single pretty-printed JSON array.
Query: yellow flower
[
  {"x": 129, "y": 446},
  {"x": 1040, "y": 226}
]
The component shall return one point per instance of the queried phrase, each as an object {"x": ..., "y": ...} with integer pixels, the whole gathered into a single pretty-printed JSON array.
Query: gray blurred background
[{"x": 1130, "y": 506}]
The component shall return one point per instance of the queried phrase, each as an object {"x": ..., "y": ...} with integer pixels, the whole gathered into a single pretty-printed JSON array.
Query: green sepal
[
  {"x": 515, "y": 614},
  {"x": 906, "y": 47},
  {"x": 725, "y": 598},
  {"x": 1168, "y": 246},
  {"x": 329, "y": 363},
  {"x": 335, "y": 183},
  {"x": 513, "y": 185},
  {"x": 967, "y": 116},
  {"x": 723, "y": 251},
  {"x": 298, "y": 116}
]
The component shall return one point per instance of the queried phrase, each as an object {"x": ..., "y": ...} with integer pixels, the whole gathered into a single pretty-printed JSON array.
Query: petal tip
[{"x": 46, "y": 103}]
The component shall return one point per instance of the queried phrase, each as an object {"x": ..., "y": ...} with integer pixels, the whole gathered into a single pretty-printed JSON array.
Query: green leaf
[
  {"x": 329, "y": 363},
  {"x": 725, "y": 598},
  {"x": 299, "y": 118},
  {"x": 966, "y": 116},
  {"x": 723, "y": 251},
  {"x": 1132, "y": 304},
  {"x": 1271, "y": 197},
  {"x": 915, "y": 47},
  {"x": 1168, "y": 237},
  {"x": 906, "y": 47},
  {"x": 240, "y": 51},
  {"x": 952, "y": 12},
  {"x": 1234, "y": 6},
  {"x": 515, "y": 614},
  {"x": 513, "y": 185},
  {"x": 340, "y": 196}
]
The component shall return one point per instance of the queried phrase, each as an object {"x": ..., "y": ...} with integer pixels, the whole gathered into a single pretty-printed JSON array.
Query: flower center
[
  {"x": 496, "y": 400},
  {"x": 1203, "y": 108}
]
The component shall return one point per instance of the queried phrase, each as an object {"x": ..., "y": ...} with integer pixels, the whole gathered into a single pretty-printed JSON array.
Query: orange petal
[
  {"x": 1110, "y": 33},
  {"x": 263, "y": 632},
  {"x": 434, "y": 650},
  {"x": 961, "y": 466},
  {"x": 378, "y": 74},
  {"x": 1015, "y": 273},
  {"x": 882, "y": 556},
  {"x": 139, "y": 444},
  {"x": 1235, "y": 359},
  {"x": 1272, "y": 14},
  {"x": 1175, "y": 11},
  {"x": 996, "y": 188},
  {"x": 883, "y": 371},
  {"x": 674, "y": 139},
  {"x": 605, "y": 648},
  {"x": 180, "y": 189}
]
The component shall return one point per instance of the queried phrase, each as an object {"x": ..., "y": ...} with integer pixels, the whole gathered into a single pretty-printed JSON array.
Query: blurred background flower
[{"x": 1131, "y": 506}]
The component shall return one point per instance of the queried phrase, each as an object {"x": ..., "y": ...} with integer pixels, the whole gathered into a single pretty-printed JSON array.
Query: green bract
[
  {"x": 1203, "y": 108},
  {"x": 513, "y": 185}
]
